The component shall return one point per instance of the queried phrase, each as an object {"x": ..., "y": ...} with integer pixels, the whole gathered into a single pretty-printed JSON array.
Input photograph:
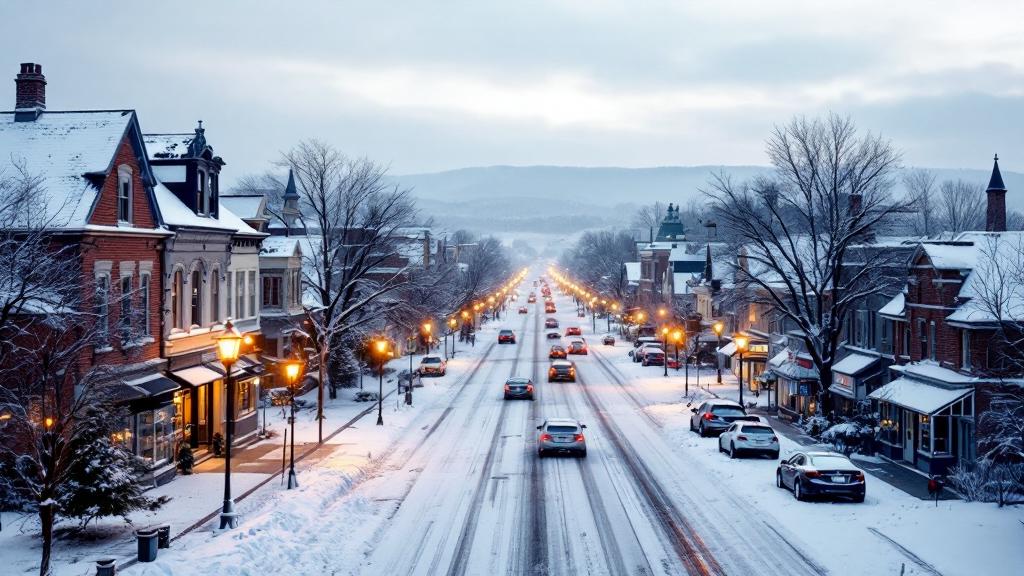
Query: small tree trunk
[
  {"x": 320, "y": 392},
  {"x": 46, "y": 520}
]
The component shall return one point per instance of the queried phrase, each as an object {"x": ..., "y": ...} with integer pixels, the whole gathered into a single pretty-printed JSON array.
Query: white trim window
[
  {"x": 124, "y": 194},
  {"x": 125, "y": 318},
  {"x": 200, "y": 192},
  {"x": 252, "y": 293},
  {"x": 228, "y": 289},
  {"x": 143, "y": 312},
  {"x": 102, "y": 306},
  {"x": 965, "y": 349},
  {"x": 196, "y": 308},
  {"x": 215, "y": 297},
  {"x": 240, "y": 294}
]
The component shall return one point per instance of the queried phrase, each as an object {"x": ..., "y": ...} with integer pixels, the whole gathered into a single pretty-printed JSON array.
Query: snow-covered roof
[
  {"x": 854, "y": 364},
  {"x": 929, "y": 370},
  {"x": 680, "y": 284},
  {"x": 919, "y": 396},
  {"x": 229, "y": 219},
  {"x": 783, "y": 366},
  {"x": 992, "y": 290},
  {"x": 687, "y": 252},
  {"x": 61, "y": 148},
  {"x": 166, "y": 146},
  {"x": 895, "y": 308},
  {"x": 946, "y": 256},
  {"x": 632, "y": 271},
  {"x": 250, "y": 207},
  {"x": 281, "y": 246},
  {"x": 728, "y": 350}
]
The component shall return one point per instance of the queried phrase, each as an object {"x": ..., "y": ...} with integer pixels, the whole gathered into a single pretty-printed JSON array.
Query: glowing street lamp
[
  {"x": 228, "y": 345},
  {"x": 664, "y": 338},
  {"x": 718, "y": 327},
  {"x": 292, "y": 372},
  {"x": 741, "y": 347},
  {"x": 382, "y": 348}
]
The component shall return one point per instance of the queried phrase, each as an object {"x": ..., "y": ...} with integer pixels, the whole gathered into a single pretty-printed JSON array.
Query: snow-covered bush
[
  {"x": 849, "y": 437},
  {"x": 815, "y": 425},
  {"x": 987, "y": 481},
  {"x": 366, "y": 396}
]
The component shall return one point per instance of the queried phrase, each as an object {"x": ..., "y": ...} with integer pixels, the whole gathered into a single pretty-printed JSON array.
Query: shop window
[
  {"x": 245, "y": 398},
  {"x": 155, "y": 434},
  {"x": 924, "y": 435},
  {"x": 940, "y": 427}
]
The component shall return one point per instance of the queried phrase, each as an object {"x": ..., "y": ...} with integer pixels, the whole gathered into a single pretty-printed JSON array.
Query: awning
[
  {"x": 197, "y": 375},
  {"x": 918, "y": 396},
  {"x": 779, "y": 358},
  {"x": 856, "y": 364},
  {"x": 842, "y": 391},
  {"x": 728, "y": 350},
  {"x": 155, "y": 385}
]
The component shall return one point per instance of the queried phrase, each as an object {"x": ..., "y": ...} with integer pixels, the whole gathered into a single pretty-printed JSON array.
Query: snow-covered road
[{"x": 455, "y": 487}]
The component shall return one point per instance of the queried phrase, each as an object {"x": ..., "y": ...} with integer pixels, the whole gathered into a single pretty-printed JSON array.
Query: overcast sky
[{"x": 429, "y": 86}]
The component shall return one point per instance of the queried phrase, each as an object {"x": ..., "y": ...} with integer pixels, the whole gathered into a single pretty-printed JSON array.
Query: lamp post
[
  {"x": 228, "y": 345},
  {"x": 741, "y": 347},
  {"x": 664, "y": 337},
  {"x": 382, "y": 346},
  {"x": 451, "y": 330},
  {"x": 292, "y": 371},
  {"x": 615, "y": 308},
  {"x": 593, "y": 313},
  {"x": 465, "y": 318},
  {"x": 718, "y": 327}
]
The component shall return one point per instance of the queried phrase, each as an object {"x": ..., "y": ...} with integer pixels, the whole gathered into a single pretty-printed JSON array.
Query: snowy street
[{"x": 454, "y": 486}]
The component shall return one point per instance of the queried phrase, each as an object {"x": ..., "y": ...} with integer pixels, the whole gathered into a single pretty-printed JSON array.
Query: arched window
[
  {"x": 196, "y": 286},
  {"x": 176, "y": 292}
]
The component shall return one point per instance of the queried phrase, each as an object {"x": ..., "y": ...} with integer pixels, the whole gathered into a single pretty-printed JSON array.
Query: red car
[
  {"x": 557, "y": 352},
  {"x": 506, "y": 336},
  {"x": 577, "y": 347},
  {"x": 573, "y": 331}
]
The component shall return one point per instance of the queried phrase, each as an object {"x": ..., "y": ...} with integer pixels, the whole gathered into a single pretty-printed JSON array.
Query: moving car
[
  {"x": 518, "y": 387},
  {"x": 523, "y": 310},
  {"x": 506, "y": 336},
  {"x": 561, "y": 436},
  {"x": 549, "y": 307},
  {"x": 433, "y": 365},
  {"x": 810, "y": 474},
  {"x": 573, "y": 331},
  {"x": 608, "y": 340},
  {"x": 551, "y": 323},
  {"x": 563, "y": 371},
  {"x": 749, "y": 438},
  {"x": 557, "y": 351},
  {"x": 652, "y": 357},
  {"x": 715, "y": 415},
  {"x": 554, "y": 336},
  {"x": 577, "y": 347}
]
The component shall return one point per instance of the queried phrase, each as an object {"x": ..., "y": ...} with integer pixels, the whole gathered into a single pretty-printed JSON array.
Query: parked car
[
  {"x": 506, "y": 336},
  {"x": 549, "y": 308},
  {"x": 577, "y": 347},
  {"x": 644, "y": 337},
  {"x": 553, "y": 336},
  {"x": 404, "y": 377},
  {"x": 608, "y": 340},
  {"x": 810, "y": 474},
  {"x": 531, "y": 299},
  {"x": 561, "y": 436},
  {"x": 557, "y": 351},
  {"x": 524, "y": 310},
  {"x": 573, "y": 331},
  {"x": 749, "y": 438},
  {"x": 715, "y": 415},
  {"x": 518, "y": 388},
  {"x": 562, "y": 370},
  {"x": 433, "y": 365},
  {"x": 653, "y": 357},
  {"x": 638, "y": 354},
  {"x": 550, "y": 323}
]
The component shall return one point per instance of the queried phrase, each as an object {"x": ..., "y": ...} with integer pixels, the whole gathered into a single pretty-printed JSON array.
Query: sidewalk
[{"x": 909, "y": 480}]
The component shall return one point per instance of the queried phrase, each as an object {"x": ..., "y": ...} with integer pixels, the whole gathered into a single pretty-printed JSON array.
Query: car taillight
[
  {"x": 860, "y": 477},
  {"x": 812, "y": 474},
  {"x": 577, "y": 438},
  {"x": 545, "y": 437},
  {"x": 529, "y": 387},
  {"x": 709, "y": 416},
  {"x": 506, "y": 388},
  {"x": 775, "y": 438},
  {"x": 744, "y": 438},
  {"x": 552, "y": 371}
]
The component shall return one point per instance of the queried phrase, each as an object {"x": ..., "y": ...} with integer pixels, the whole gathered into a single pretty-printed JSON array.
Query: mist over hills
[{"x": 564, "y": 199}]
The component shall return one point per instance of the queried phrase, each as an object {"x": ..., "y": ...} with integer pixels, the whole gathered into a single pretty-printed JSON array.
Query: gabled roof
[
  {"x": 249, "y": 207},
  {"x": 281, "y": 246},
  {"x": 987, "y": 297},
  {"x": 175, "y": 214},
  {"x": 71, "y": 152}
]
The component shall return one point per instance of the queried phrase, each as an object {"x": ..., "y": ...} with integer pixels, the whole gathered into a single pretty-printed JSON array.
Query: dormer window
[
  {"x": 124, "y": 194},
  {"x": 201, "y": 192},
  {"x": 211, "y": 194}
]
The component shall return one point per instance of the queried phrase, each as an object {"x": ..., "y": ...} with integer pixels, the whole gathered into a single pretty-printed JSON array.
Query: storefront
[
  {"x": 797, "y": 385},
  {"x": 753, "y": 361},
  {"x": 150, "y": 431},
  {"x": 925, "y": 424},
  {"x": 853, "y": 378}
]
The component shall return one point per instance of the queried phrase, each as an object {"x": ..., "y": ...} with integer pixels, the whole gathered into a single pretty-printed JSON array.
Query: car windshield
[
  {"x": 506, "y": 332},
  {"x": 757, "y": 430},
  {"x": 831, "y": 462},
  {"x": 727, "y": 411},
  {"x": 518, "y": 381},
  {"x": 562, "y": 429},
  {"x": 431, "y": 360}
]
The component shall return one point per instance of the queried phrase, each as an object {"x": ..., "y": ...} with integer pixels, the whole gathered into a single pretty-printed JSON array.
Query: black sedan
[
  {"x": 518, "y": 388},
  {"x": 810, "y": 474}
]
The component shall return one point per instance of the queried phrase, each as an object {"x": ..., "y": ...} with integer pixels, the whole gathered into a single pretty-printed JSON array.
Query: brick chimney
[
  {"x": 995, "y": 217},
  {"x": 31, "y": 92}
]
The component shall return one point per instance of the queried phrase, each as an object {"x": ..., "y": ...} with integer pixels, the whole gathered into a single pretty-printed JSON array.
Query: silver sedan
[
  {"x": 749, "y": 438},
  {"x": 561, "y": 436}
]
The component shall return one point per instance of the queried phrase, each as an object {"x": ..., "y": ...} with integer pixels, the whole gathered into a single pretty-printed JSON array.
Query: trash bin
[
  {"x": 148, "y": 540},
  {"x": 163, "y": 536},
  {"x": 106, "y": 567}
]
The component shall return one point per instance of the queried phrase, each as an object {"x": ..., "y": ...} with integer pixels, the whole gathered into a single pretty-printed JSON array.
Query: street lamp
[
  {"x": 382, "y": 347},
  {"x": 291, "y": 370},
  {"x": 451, "y": 331},
  {"x": 741, "y": 347},
  {"x": 718, "y": 327},
  {"x": 664, "y": 337},
  {"x": 228, "y": 345},
  {"x": 615, "y": 308}
]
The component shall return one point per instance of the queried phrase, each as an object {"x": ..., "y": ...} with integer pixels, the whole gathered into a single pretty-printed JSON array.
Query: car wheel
[
  {"x": 773, "y": 455},
  {"x": 798, "y": 493},
  {"x": 732, "y": 450},
  {"x": 778, "y": 480},
  {"x": 583, "y": 453},
  {"x": 720, "y": 449},
  {"x": 541, "y": 454},
  {"x": 692, "y": 429},
  {"x": 702, "y": 431},
  {"x": 859, "y": 499}
]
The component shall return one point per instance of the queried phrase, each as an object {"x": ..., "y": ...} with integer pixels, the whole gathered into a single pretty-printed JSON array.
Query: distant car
[
  {"x": 524, "y": 310},
  {"x": 557, "y": 352},
  {"x": 715, "y": 415},
  {"x": 562, "y": 370},
  {"x": 653, "y": 357},
  {"x": 810, "y": 474},
  {"x": 749, "y": 438},
  {"x": 550, "y": 323},
  {"x": 531, "y": 299},
  {"x": 638, "y": 353},
  {"x": 433, "y": 366},
  {"x": 518, "y": 388},
  {"x": 506, "y": 336},
  {"x": 549, "y": 308},
  {"x": 554, "y": 336},
  {"x": 608, "y": 340},
  {"x": 561, "y": 436},
  {"x": 577, "y": 347},
  {"x": 573, "y": 331}
]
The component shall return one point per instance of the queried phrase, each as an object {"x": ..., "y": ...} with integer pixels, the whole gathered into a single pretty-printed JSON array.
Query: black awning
[{"x": 157, "y": 386}]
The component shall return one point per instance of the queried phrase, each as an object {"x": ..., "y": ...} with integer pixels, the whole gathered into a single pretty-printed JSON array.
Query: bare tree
[
  {"x": 354, "y": 219},
  {"x": 961, "y": 206},
  {"x": 598, "y": 259},
  {"x": 270, "y": 185},
  {"x": 799, "y": 228},
  {"x": 488, "y": 265},
  {"x": 921, "y": 190},
  {"x": 648, "y": 218}
]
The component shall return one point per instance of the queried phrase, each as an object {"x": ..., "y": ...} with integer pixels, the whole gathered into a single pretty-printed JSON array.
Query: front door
[{"x": 909, "y": 428}]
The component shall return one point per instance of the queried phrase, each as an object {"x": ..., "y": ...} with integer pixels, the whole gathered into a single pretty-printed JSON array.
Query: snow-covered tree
[
  {"x": 800, "y": 231},
  {"x": 598, "y": 259}
]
